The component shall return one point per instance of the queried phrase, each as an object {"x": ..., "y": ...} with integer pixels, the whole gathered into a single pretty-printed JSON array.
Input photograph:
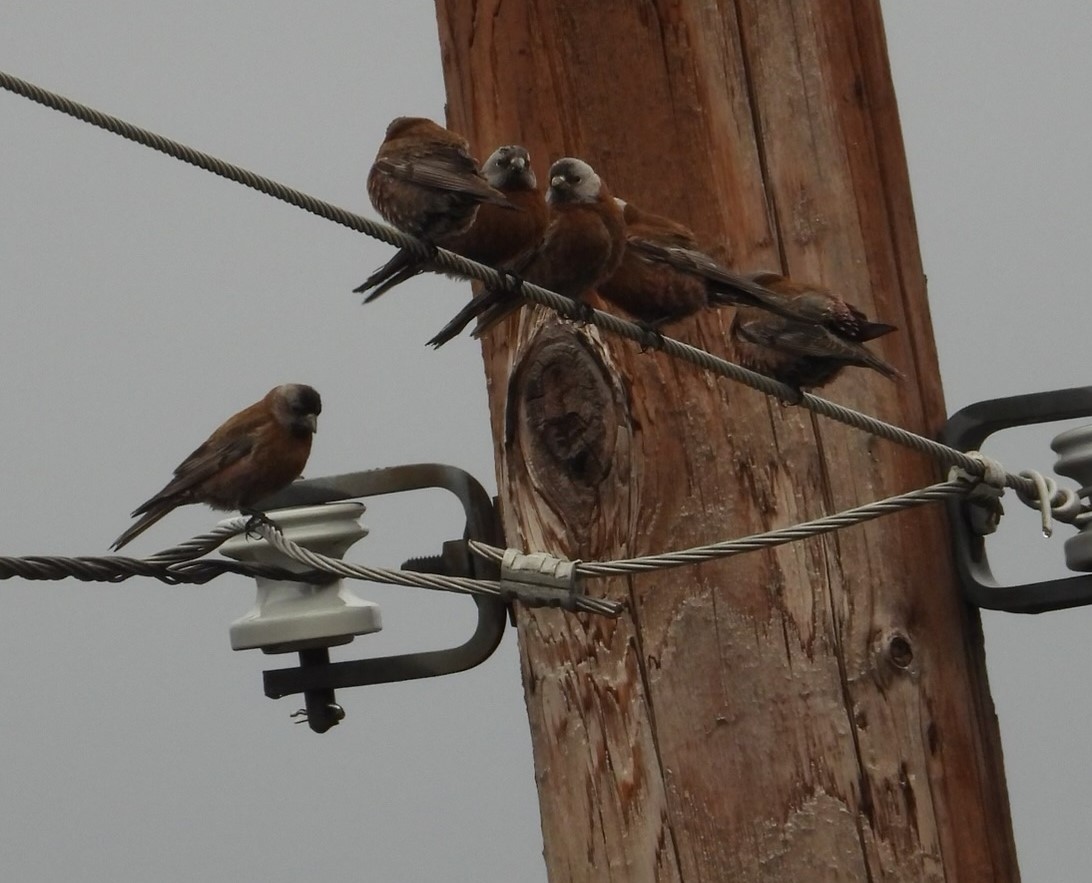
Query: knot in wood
[
  {"x": 564, "y": 411},
  {"x": 900, "y": 651},
  {"x": 893, "y": 656}
]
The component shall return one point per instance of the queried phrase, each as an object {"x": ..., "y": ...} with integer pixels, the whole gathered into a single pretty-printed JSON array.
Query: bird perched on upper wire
[
  {"x": 650, "y": 290},
  {"x": 582, "y": 246},
  {"x": 253, "y": 454},
  {"x": 664, "y": 276},
  {"x": 497, "y": 234},
  {"x": 425, "y": 182},
  {"x": 825, "y": 335}
]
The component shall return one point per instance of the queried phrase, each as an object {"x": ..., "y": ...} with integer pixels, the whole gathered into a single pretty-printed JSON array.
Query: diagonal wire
[
  {"x": 450, "y": 261},
  {"x": 778, "y": 537}
]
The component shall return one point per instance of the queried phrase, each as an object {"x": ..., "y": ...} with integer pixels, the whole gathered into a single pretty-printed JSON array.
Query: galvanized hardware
[
  {"x": 316, "y": 677},
  {"x": 966, "y": 430}
]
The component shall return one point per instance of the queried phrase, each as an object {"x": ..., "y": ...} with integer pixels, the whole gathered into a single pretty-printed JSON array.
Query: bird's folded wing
[
  {"x": 211, "y": 458},
  {"x": 443, "y": 173},
  {"x": 799, "y": 339},
  {"x": 735, "y": 288}
]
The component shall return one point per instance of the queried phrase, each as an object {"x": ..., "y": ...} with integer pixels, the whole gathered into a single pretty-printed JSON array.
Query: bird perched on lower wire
[
  {"x": 497, "y": 234},
  {"x": 425, "y": 182},
  {"x": 260, "y": 450},
  {"x": 664, "y": 276},
  {"x": 582, "y": 246},
  {"x": 826, "y": 335}
]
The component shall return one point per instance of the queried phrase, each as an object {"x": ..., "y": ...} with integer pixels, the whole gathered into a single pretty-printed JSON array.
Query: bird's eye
[{"x": 575, "y": 179}]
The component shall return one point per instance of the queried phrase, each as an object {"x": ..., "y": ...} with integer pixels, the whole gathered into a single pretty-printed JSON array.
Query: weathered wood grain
[{"x": 817, "y": 712}]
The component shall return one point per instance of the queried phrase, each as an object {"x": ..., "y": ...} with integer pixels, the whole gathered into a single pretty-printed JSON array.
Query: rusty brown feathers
[
  {"x": 824, "y": 335},
  {"x": 250, "y": 456},
  {"x": 582, "y": 245},
  {"x": 496, "y": 235},
  {"x": 425, "y": 182},
  {"x": 665, "y": 276}
]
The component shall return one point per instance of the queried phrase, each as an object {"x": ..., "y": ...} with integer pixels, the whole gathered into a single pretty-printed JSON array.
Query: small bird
[
  {"x": 425, "y": 182},
  {"x": 647, "y": 286},
  {"x": 253, "y": 454},
  {"x": 583, "y": 245},
  {"x": 497, "y": 234},
  {"x": 809, "y": 350},
  {"x": 665, "y": 276}
]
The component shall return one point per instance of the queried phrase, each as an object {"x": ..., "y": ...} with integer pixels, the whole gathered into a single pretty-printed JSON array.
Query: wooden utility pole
[{"x": 819, "y": 712}]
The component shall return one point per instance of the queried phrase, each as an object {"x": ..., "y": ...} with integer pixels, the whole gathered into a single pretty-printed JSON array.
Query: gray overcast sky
[{"x": 144, "y": 301}]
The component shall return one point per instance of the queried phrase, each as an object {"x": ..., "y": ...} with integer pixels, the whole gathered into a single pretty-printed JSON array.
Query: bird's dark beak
[
  {"x": 518, "y": 163},
  {"x": 558, "y": 182},
  {"x": 311, "y": 422}
]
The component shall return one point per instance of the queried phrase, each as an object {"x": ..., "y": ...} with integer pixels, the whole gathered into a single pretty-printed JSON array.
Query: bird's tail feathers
[
  {"x": 885, "y": 369},
  {"x": 395, "y": 280},
  {"x": 497, "y": 313},
  {"x": 743, "y": 292},
  {"x": 398, "y": 269},
  {"x": 151, "y": 516},
  {"x": 872, "y": 330},
  {"x": 464, "y": 317}
]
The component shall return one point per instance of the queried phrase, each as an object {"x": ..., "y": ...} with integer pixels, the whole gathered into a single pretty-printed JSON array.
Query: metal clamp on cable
[
  {"x": 540, "y": 580},
  {"x": 984, "y": 509},
  {"x": 968, "y": 429},
  {"x": 317, "y": 677}
]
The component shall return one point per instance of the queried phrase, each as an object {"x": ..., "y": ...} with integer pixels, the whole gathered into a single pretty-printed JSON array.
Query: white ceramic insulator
[{"x": 290, "y": 616}]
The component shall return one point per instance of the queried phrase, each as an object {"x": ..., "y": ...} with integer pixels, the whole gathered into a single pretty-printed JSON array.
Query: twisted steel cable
[
  {"x": 180, "y": 565},
  {"x": 1029, "y": 490},
  {"x": 533, "y": 596},
  {"x": 777, "y": 537}
]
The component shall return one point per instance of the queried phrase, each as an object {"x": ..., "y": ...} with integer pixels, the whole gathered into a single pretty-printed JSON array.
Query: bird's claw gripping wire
[
  {"x": 653, "y": 338},
  {"x": 510, "y": 282},
  {"x": 255, "y": 520},
  {"x": 792, "y": 398},
  {"x": 583, "y": 312}
]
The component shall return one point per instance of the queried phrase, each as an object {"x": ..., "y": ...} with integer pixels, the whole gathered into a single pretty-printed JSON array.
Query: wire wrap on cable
[
  {"x": 529, "y": 595},
  {"x": 180, "y": 565}
]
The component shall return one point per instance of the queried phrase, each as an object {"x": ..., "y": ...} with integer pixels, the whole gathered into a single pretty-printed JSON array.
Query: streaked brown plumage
[
  {"x": 583, "y": 245},
  {"x": 253, "y": 454},
  {"x": 497, "y": 234},
  {"x": 810, "y": 350},
  {"x": 649, "y": 289},
  {"x": 665, "y": 276},
  {"x": 425, "y": 182}
]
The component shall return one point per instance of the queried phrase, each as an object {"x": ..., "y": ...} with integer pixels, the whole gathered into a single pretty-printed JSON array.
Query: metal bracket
[
  {"x": 966, "y": 430},
  {"x": 316, "y": 677}
]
